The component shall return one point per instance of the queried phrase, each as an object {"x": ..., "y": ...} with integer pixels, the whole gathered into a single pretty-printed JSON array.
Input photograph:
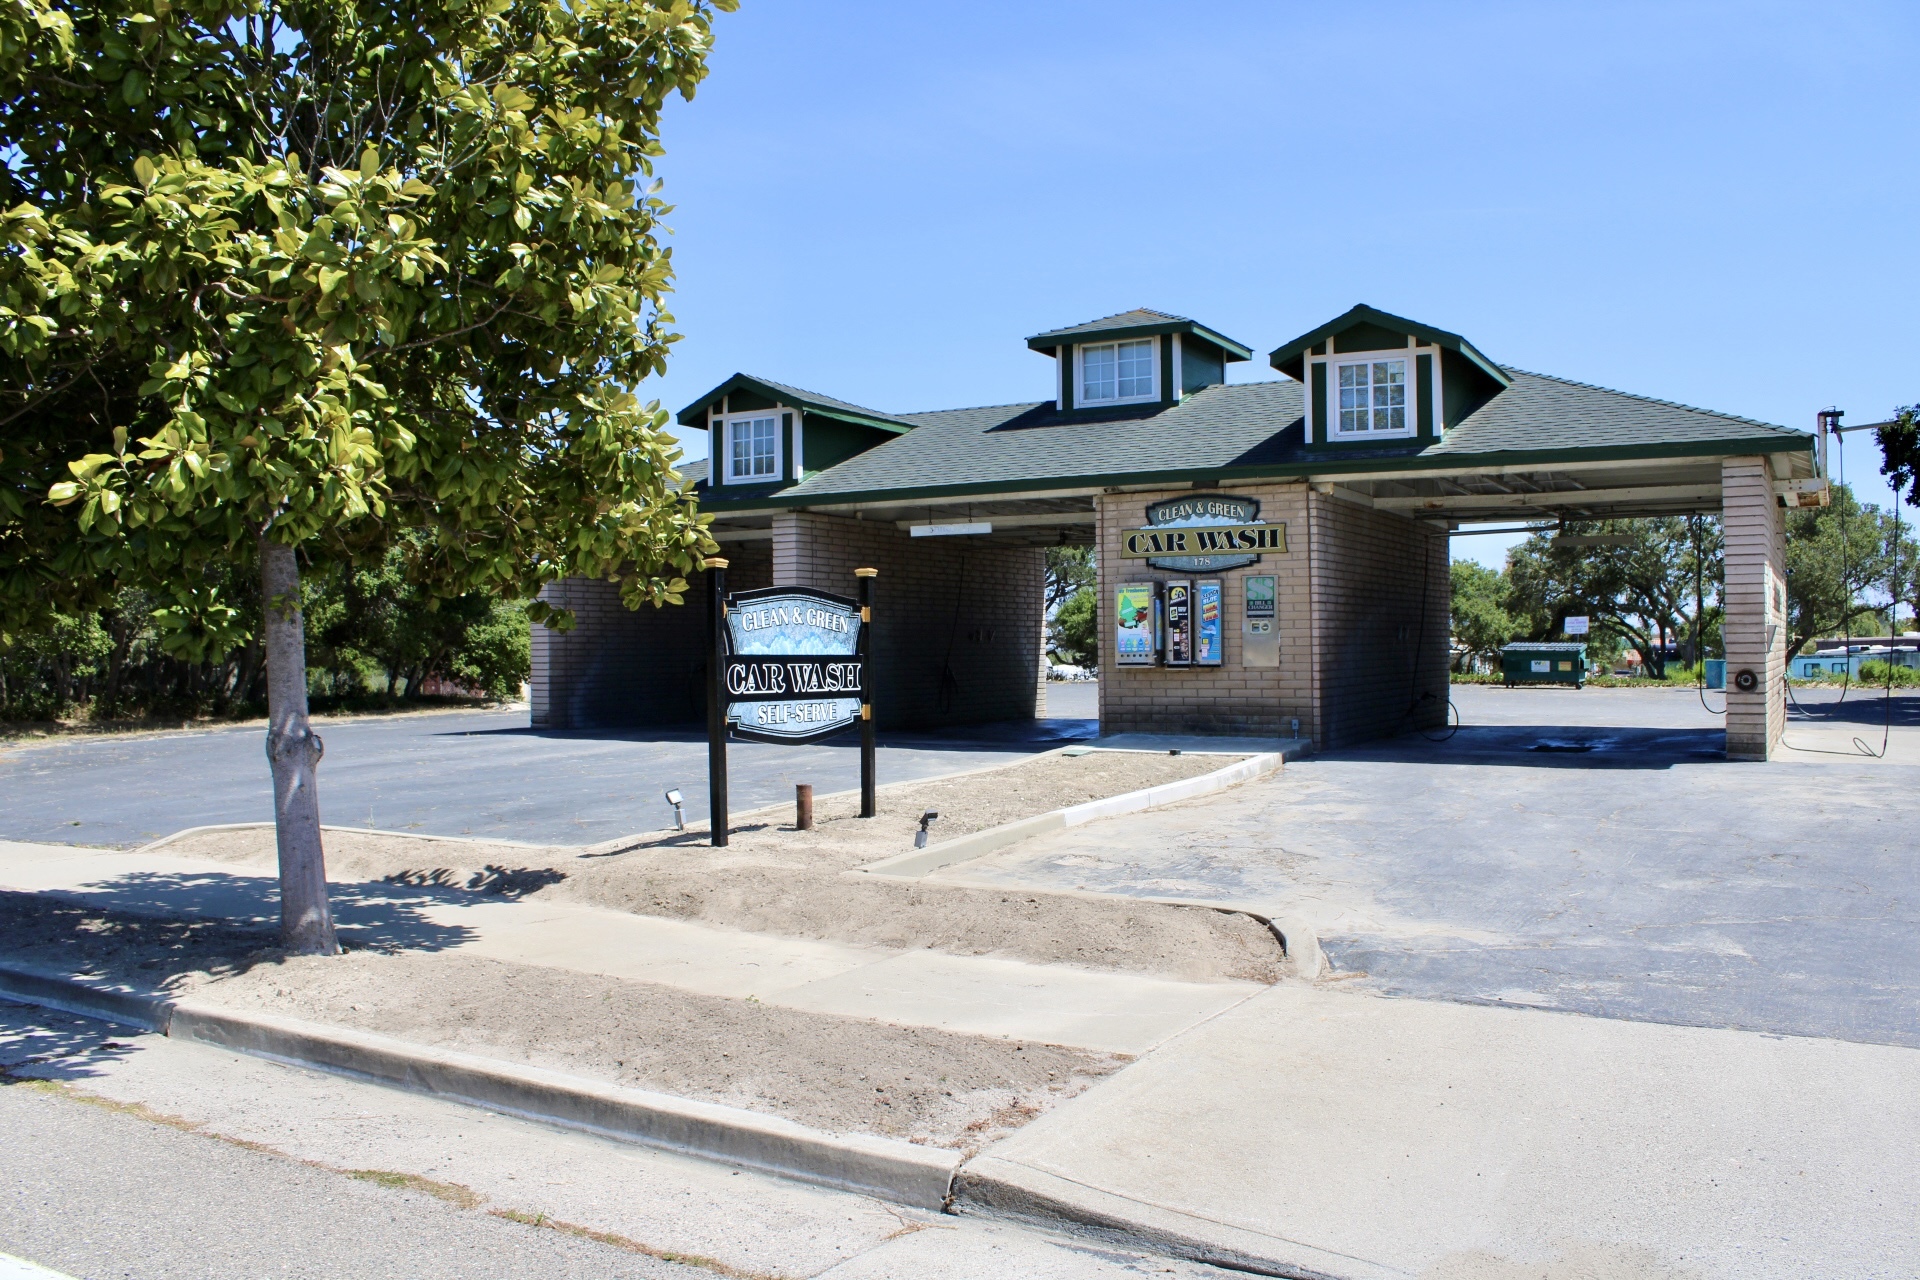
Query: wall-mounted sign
[
  {"x": 794, "y": 670},
  {"x": 1136, "y": 616},
  {"x": 1179, "y": 614},
  {"x": 1205, "y": 533},
  {"x": 1209, "y": 616},
  {"x": 1260, "y": 643}
]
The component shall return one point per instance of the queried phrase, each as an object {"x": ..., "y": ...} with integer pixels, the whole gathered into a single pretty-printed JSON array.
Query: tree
[
  {"x": 1839, "y": 557},
  {"x": 1480, "y": 620},
  {"x": 1900, "y": 453},
  {"x": 1069, "y": 569},
  {"x": 1073, "y": 634},
  {"x": 1639, "y": 589},
  {"x": 283, "y": 281}
]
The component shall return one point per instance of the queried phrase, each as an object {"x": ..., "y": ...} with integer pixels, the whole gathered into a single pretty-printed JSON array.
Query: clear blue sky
[{"x": 1712, "y": 203}]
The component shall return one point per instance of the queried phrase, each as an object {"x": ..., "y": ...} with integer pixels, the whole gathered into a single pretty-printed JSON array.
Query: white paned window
[
  {"x": 753, "y": 447},
  {"x": 1118, "y": 372},
  {"x": 1372, "y": 398}
]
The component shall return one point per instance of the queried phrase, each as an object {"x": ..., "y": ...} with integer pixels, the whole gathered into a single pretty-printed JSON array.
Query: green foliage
[
  {"x": 122, "y": 661},
  {"x": 1480, "y": 620},
  {"x": 1069, "y": 569},
  {"x": 1073, "y": 634},
  {"x": 1874, "y": 671},
  {"x": 1641, "y": 592},
  {"x": 1900, "y": 452},
  {"x": 1838, "y": 558},
  {"x": 328, "y": 272}
]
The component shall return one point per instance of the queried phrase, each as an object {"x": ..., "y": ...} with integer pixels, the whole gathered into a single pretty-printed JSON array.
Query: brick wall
[
  {"x": 1230, "y": 698},
  {"x": 958, "y": 621},
  {"x": 626, "y": 667},
  {"x": 1381, "y": 595},
  {"x": 1754, "y": 628}
]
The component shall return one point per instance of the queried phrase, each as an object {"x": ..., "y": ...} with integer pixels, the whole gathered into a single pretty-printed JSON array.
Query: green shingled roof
[
  {"x": 1141, "y": 322},
  {"x": 695, "y": 414},
  {"x": 1249, "y": 430}
]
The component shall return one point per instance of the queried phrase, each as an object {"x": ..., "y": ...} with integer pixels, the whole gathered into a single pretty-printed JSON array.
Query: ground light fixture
[
  {"x": 920, "y": 836},
  {"x": 675, "y": 799}
]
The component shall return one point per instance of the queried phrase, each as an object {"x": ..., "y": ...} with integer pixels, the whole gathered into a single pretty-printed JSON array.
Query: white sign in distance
[{"x": 1576, "y": 626}]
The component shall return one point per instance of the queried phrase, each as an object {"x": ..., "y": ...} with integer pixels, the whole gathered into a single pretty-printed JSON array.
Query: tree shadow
[
  {"x": 1591, "y": 747},
  {"x": 499, "y": 881},
  {"x": 179, "y": 921},
  {"x": 47, "y": 1044}
]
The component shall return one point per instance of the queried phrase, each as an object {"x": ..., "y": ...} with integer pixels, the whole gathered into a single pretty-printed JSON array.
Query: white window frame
[
  {"x": 1346, "y": 359},
  {"x": 1080, "y": 400},
  {"x": 728, "y": 423}
]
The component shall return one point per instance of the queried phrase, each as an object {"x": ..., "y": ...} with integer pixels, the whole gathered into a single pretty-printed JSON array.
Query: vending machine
[
  {"x": 1136, "y": 624},
  {"x": 1260, "y": 640},
  {"x": 1179, "y": 611},
  {"x": 1209, "y": 617}
]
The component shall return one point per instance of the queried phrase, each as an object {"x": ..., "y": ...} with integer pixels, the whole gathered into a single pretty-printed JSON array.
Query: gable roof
[
  {"x": 695, "y": 414},
  {"x": 1250, "y": 430},
  {"x": 1141, "y": 322},
  {"x": 1288, "y": 358}
]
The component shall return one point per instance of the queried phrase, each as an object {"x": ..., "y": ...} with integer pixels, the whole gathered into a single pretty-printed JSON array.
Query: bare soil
[
  {"x": 774, "y": 879},
  {"x": 835, "y": 1073}
]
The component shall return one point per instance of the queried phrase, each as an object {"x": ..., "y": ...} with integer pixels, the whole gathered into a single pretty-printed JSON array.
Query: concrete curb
[
  {"x": 994, "y": 1187},
  {"x": 922, "y": 862},
  {"x": 890, "y": 1170},
  {"x": 184, "y": 832},
  {"x": 69, "y": 995}
]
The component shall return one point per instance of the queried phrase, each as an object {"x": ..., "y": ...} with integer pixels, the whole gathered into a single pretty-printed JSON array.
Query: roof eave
[
  {"x": 1047, "y": 343},
  {"x": 1733, "y": 447}
]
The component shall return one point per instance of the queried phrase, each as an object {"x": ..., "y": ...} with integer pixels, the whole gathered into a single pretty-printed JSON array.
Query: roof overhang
[
  {"x": 695, "y": 414},
  {"x": 1048, "y": 343},
  {"x": 1290, "y": 358}
]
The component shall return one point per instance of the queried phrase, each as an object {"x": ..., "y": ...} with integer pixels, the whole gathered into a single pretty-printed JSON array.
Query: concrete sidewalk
[
  {"x": 1316, "y": 1132},
  {"x": 975, "y": 995}
]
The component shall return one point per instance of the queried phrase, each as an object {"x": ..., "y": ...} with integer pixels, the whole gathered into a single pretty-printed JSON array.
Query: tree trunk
[{"x": 293, "y": 750}]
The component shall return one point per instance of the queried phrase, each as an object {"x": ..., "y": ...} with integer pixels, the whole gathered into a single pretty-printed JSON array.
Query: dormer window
[
  {"x": 1372, "y": 398},
  {"x": 1118, "y": 373},
  {"x": 753, "y": 447}
]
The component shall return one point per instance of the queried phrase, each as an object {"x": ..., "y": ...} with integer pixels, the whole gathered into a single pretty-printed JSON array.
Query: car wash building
[{"x": 1269, "y": 552}]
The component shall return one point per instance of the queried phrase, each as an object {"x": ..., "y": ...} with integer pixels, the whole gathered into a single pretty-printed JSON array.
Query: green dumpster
[{"x": 1543, "y": 662}]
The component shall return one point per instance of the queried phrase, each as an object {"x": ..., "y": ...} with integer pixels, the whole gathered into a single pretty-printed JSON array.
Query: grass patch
[
  {"x": 617, "y": 1241},
  {"x": 453, "y": 1193}
]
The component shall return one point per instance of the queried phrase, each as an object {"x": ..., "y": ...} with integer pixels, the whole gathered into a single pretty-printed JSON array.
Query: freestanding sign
[
  {"x": 795, "y": 672},
  {"x": 787, "y": 665}
]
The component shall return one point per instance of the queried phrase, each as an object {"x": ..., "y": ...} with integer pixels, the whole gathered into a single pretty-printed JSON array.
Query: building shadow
[{"x": 1546, "y": 747}]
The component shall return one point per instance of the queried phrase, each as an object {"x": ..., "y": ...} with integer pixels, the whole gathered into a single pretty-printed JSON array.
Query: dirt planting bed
[
  {"x": 835, "y": 1073},
  {"x": 774, "y": 879}
]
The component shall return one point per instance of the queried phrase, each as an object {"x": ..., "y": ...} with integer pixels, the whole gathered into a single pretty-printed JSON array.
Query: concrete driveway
[
  {"x": 1586, "y": 850},
  {"x": 460, "y": 773}
]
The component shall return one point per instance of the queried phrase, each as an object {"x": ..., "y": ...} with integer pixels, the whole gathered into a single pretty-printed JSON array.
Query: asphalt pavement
[
  {"x": 463, "y": 773},
  {"x": 1583, "y": 850}
]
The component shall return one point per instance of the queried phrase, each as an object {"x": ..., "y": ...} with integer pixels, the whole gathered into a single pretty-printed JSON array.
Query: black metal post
[
  {"x": 868, "y": 806},
  {"x": 716, "y": 701}
]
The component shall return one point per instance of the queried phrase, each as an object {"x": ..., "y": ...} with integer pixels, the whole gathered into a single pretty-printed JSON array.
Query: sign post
[
  {"x": 716, "y": 701},
  {"x": 868, "y": 804}
]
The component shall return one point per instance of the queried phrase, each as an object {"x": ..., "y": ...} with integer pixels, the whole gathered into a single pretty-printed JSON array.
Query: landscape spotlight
[
  {"x": 920, "y": 836},
  {"x": 675, "y": 799}
]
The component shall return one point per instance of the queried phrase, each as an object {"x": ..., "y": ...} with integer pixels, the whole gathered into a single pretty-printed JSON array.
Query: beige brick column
[{"x": 1756, "y": 602}]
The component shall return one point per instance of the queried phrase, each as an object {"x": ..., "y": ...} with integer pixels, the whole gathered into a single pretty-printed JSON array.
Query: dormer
[
  {"x": 764, "y": 435},
  {"x": 1374, "y": 379},
  {"x": 1137, "y": 357}
]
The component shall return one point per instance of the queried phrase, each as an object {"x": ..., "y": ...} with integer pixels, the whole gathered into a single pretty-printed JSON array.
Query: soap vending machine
[{"x": 1137, "y": 624}]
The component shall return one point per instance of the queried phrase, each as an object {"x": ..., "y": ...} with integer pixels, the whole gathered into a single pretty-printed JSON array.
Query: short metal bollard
[{"x": 803, "y": 806}]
